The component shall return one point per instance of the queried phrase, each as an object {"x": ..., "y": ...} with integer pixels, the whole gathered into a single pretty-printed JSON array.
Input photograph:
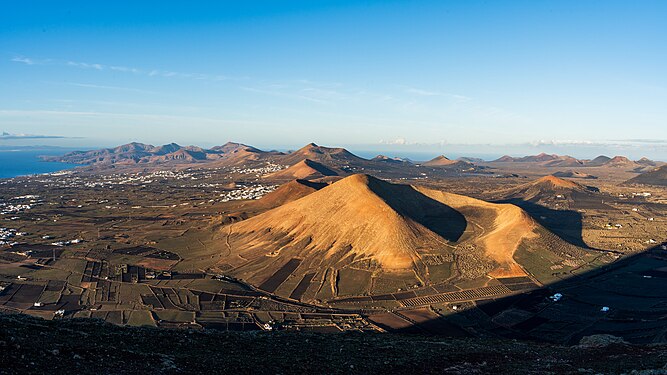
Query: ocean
[{"x": 22, "y": 162}]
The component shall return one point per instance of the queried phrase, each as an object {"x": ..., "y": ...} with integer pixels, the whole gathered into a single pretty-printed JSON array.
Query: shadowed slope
[
  {"x": 598, "y": 161},
  {"x": 509, "y": 227},
  {"x": 657, "y": 176},
  {"x": 443, "y": 162},
  {"x": 574, "y": 174},
  {"x": 546, "y": 200},
  {"x": 302, "y": 170}
]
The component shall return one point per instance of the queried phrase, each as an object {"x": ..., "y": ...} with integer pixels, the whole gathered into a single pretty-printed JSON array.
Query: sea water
[{"x": 22, "y": 162}]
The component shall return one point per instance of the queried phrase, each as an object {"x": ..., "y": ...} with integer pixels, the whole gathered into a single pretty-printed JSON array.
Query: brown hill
[
  {"x": 598, "y": 161},
  {"x": 547, "y": 187},
  {"x": 646, "y": 165},
  {"x": 617, "y": 162},
  {"x": 236, "y": 154},
  {"x": 657, "y": 176},
  {"x": 233, "y": 147},
  {"x": 563, "y": 161},
  {"x": 547, "y": 160},
  {"x": 574, "y": 174},
  {"x": 320, "y": 154},
  {"x": 362, "y": 235},
  {"x": 439, "y": 161},
  {"x": 647, "y": 162},
  {"x": 543, "y": 157},
  {"x": 504, "y": 159},
  {"x": 555, "y": 182},
  {"x": 443, "y": 161},
  {"x": 165, "y": 149},
  {"x": 305, "y": 169},
  {"x": 289, "y": 192},
  {"x": 620, "y": 161}
]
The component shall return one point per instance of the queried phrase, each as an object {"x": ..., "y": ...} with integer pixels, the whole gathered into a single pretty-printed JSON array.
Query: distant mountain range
[
  {"x": 309, "y": 162},
  {"x": 553, "y": 160},
  {"x": 139, "y": 153},
  {"x": 314, "y": 161}
]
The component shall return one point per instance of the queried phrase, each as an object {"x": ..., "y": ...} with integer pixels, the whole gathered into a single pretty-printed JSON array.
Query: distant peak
[
  {"x": 308, "y": 162},
  {"x": 359, "y": 178},
  {"x": 556, "y": 181},
  {"x": 310, "y": 147}
]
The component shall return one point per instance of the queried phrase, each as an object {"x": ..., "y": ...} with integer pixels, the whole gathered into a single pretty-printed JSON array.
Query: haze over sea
[{"x": 22, "y": 162}]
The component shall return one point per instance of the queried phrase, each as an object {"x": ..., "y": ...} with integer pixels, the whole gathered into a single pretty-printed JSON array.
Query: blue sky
[{"x": 581, "y": 77}]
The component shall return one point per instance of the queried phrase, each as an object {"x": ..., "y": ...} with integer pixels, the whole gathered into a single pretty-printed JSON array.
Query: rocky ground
[{"x": 30, "y": 345}]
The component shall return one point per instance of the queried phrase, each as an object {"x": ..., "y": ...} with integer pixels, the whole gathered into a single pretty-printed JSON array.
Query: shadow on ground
[
  {"x": 566, "y": 224},
  {"x": 627, "y": 299}
]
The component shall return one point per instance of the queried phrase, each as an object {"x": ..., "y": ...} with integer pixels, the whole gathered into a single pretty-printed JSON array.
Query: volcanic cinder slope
[
  {"x": 324, "y": 155},
  {"x": 598, "y": 161},
  {"x": 540, "y": 158},
  {"x": 305, "y": 169},
  {"x": 547, "y": 187},
  {"x": 657, "y": 176},
  {"x": 443, "y": 162},
  {"x": 288, "y": 192},
  {"x": 564, "y": 161},
  {"x": 362, "y": 235},
  {"x": 574, "y": 174},
  {"x": 440, "y": 160}
]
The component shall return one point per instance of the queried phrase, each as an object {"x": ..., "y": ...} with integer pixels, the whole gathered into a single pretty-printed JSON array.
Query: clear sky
[{"x": 578, "y": 76}]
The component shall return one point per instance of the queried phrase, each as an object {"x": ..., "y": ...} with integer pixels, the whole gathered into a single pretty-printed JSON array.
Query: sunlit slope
[
  {"x": 288, "y": 192},
  {"x": 304, "y": 169},
  {"x": 502, "y": 228},
  {"x": 362, "y": 235}
]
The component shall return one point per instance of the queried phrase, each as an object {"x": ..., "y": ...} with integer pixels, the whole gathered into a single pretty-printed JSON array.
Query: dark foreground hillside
[{"x": 30, "y": 345}]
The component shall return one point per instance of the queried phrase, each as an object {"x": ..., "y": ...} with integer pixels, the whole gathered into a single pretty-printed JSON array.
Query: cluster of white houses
[
  {"x": 247, "y": 192},
  {"x": 7, "y": 236},
  {"x": 18, "y": 204}
]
